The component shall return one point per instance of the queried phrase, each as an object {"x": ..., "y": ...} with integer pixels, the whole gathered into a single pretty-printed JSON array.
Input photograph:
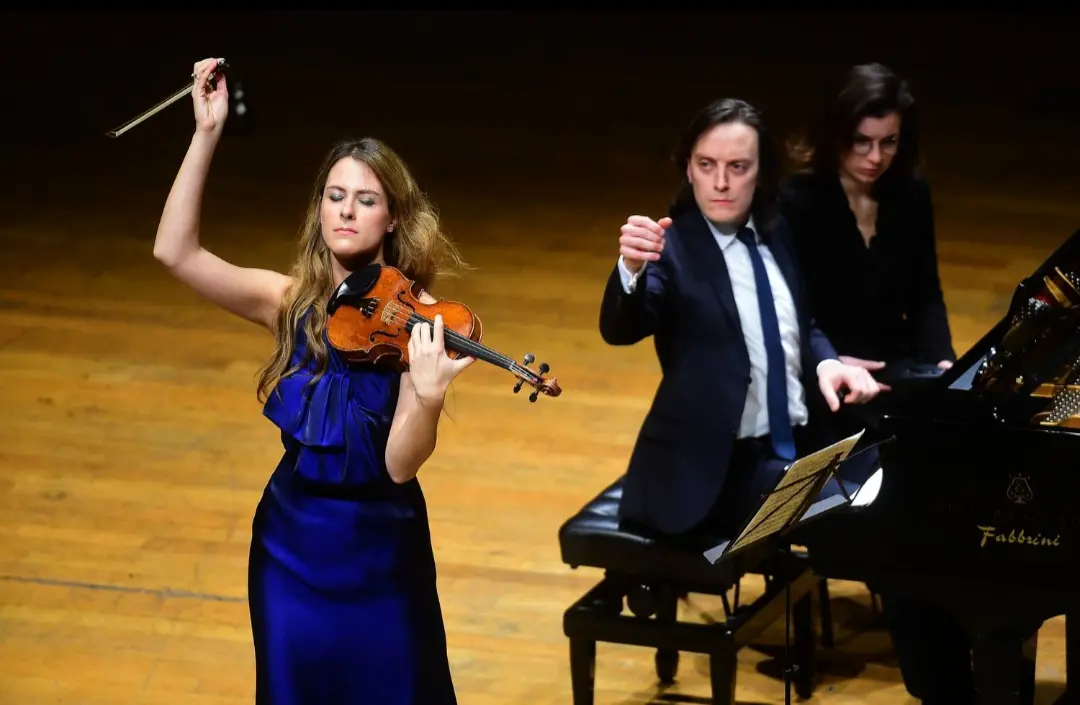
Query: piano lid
[{"x": 1026, "y": 369}]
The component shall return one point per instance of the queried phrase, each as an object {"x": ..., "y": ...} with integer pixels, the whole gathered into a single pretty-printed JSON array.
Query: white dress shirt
[{"x": 755, "y": 418}]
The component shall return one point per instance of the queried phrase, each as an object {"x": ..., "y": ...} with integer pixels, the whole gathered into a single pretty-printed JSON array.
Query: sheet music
[{"x": 792, "y": 491}]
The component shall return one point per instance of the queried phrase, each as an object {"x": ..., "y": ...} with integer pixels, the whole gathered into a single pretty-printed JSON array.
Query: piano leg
[
  {"x": 1072, "y": 658},
  {"x": 1004, "y": 664},
  {"x": 802, "y": 619}
]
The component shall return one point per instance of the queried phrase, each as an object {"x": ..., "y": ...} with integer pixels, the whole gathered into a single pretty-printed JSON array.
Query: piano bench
[{"x": 649, "y": 574}]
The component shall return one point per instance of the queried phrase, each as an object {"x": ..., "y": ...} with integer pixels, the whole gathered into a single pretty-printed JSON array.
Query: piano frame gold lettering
[{"x": 990, "y": 533}]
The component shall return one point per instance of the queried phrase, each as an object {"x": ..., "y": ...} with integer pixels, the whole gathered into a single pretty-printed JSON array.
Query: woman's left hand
[{"x": 430, "y": 369}]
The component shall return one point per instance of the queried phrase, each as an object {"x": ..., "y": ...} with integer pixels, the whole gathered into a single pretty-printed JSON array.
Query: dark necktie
[{"x": 783, "y": 440}]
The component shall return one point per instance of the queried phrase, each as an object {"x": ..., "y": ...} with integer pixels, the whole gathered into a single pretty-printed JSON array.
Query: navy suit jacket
[{"x": 686, "y": 303}]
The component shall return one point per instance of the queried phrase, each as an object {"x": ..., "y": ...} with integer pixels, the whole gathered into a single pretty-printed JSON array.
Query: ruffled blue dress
[{"x": 342, "y": 591}]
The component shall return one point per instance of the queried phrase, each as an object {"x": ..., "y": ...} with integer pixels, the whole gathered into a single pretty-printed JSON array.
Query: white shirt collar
[{"x": 726, "y": 236}]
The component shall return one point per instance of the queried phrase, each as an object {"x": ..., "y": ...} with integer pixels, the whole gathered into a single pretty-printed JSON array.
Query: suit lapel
[{"x": 708, "y": 260}]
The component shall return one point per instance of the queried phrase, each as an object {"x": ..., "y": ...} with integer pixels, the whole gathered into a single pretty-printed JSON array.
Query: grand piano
[{"x": 976, "y": 506}]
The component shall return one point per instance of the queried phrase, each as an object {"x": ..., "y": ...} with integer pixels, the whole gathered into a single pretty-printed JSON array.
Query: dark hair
[
  {"x": 770, "y": 162},
  {"x": 868, "y": 90}
]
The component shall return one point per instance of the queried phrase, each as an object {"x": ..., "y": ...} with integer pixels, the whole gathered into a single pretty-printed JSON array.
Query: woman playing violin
[{"x": 342, "y": 584}]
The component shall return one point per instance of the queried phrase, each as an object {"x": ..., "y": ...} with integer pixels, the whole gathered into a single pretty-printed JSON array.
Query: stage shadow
[
  {"x": 662, "y": 698},
  {"x": 859, "y": 639},
  {"x": 1052, "y": 693}
]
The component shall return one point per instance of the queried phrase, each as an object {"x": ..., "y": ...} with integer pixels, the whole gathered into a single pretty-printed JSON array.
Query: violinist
[
  {"x": 716, "y": 285},
  {"x": 342, "y": 586}
]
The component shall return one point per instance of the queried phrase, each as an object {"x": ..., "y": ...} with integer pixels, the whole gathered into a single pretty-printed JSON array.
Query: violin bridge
[{"x": 389, "y": 312}]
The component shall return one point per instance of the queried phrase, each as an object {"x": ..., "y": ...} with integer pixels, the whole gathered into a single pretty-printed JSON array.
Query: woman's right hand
[{"x": 211, "y": 105}]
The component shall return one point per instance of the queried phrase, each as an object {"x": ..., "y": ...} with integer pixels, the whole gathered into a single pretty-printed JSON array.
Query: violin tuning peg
[
  {"x": 533, "y": 396},
  {"x": 517, "y": 387},
  {"x": 544, "y": 368},
  {"x": 528, "y": 359}
]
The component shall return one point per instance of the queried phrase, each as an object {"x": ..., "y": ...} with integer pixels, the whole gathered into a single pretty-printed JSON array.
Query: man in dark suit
[{"x": 744, "y": 368}]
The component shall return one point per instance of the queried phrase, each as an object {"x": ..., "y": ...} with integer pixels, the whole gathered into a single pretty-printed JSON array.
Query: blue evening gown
[{"x": 342, "y": 593}]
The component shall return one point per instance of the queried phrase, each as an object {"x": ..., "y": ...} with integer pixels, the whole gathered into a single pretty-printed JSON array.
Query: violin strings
[
  {"x": 471, "y": 345},
  {"x": 402, "y": 316},
  {"x": 397, "y": 311}
]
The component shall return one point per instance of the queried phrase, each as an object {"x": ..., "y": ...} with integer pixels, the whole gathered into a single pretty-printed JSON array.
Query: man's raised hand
[{"x": 642, "y": 240}]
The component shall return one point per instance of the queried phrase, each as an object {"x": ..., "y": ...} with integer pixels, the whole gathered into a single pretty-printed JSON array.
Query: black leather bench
[{"x": 648, "y": 575}]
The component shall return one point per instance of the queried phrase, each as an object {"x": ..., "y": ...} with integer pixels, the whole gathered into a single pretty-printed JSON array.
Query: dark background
[{"x": 550, "y": 121}]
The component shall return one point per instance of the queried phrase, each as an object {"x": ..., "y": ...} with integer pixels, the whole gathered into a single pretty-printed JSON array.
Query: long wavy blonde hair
[{"x": 417, "y": 246}]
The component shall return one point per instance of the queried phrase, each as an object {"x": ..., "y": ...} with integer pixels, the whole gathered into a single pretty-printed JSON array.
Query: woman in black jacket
[{"x": 863, "y": 225}]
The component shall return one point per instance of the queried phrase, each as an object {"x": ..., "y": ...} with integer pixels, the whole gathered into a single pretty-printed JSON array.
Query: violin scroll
[{"x": 549, "y": 387}]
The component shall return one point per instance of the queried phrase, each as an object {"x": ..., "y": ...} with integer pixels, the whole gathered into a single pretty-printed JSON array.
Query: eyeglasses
[{"x": 864, "y": 145}]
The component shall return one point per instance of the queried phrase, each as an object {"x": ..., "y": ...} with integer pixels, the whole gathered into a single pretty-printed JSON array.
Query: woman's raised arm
[{"x": 252, "y": 294}]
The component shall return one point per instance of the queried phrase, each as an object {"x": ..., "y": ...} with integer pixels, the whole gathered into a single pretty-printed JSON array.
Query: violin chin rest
[{"x": 355, "y": 286}]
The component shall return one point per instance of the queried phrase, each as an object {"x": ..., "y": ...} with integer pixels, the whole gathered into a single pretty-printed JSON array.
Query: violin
[{"x": 373, "y": 311}]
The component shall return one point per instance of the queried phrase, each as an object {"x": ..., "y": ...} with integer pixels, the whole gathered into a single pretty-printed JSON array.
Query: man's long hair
[{"x": 770, "y": 162}]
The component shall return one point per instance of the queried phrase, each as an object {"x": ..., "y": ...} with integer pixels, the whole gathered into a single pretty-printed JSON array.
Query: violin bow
[{"x": 114, "y": 133}]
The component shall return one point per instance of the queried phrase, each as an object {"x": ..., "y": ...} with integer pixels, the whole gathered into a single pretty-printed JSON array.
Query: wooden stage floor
[{"x": 133, "y": 451}]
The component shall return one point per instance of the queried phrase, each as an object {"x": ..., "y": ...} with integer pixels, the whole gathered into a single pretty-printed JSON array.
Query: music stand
[{"x": 789, "y": 503}]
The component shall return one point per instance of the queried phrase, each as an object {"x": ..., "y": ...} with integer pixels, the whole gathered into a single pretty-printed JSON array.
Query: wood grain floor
[
  {"x": 133, "y": 451},
  {"x": 133, "y": 454}
]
